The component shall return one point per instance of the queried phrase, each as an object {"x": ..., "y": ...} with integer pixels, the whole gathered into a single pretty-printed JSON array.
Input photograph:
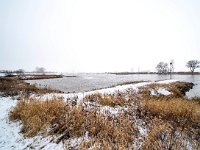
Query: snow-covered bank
[
  {"x": 120, "y": 88},
  {"x": 167, "y": 81},
  {"x": 10, "y": 136}
]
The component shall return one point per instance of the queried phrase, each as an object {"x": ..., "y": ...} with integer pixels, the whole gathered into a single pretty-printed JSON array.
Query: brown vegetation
[
  {"x": 165, "y": 135},
  {"x": 180, "y": 88},
  {"x": 38, "y": 77},
  {"x": 171, "y": 121},
  {"x": 159, "y": 136},
  {"x": 14, "y": 87},
  {"x": 177, "y": 89},
  {"x": 108, "y": 99},
  {"x": 73, "y": 121},
  {"x": 176, "y": 109},
  {"x": 36, "y": 115}
]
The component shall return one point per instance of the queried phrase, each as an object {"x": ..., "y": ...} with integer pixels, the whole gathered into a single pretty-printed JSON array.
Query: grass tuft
[{"x": 107, "y": 99}]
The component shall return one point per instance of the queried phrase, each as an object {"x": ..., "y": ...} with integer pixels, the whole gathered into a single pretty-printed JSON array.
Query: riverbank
[
  {"x": 39, "y": 77},
  {"x": 128, "y": 116},
  {"x": 30, "y": 75},
  {"x": 12, "y": 86}
]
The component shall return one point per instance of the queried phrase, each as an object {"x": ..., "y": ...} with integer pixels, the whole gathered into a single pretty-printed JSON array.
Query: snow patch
[
  {"x": 167, "y": 81},
  {"x": 75, "y": 142},
  {"x": 161, "y": 91},
  {"x": 143, "y": 131},
  {"x": 112, "y": 111},
  {"x": 2, "y": 74}
]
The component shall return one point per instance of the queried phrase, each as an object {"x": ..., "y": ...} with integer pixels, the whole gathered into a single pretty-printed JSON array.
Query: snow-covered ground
[
  {"x": 11, "y": 138},
  {"x": 2, "y": 74},
  {"x": 167, "y": 81}
]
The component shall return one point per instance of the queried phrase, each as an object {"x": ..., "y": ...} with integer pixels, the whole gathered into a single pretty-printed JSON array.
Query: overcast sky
[{"x": 98, "y": 35}]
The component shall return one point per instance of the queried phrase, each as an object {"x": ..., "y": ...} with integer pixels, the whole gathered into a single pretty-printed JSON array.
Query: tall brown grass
[
  {"x": 57, "y": 117},
  {"x": 175, "y": 108},
  {"x": 159, "y": 136},
  {"x": 37, "y": 115},
  {"x": 173, "y": 120},
  {"x": 108, "y": 99},
  {"x": 167, "y": 135},
  {"x": 113, "y": 133}
]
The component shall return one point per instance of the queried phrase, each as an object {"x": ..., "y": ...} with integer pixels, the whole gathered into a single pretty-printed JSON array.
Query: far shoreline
[
  {"x": 173, "y": 73},
  {"x": 37, "y": 76}
]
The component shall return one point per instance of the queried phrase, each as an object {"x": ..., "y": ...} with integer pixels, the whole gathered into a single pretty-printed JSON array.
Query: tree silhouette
[
  {"x": 162, "y": 68},
  {"x": 192, "y": 65}
]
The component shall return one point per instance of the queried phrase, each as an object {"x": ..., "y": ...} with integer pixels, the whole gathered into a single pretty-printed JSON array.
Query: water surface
[{"x": 86, "y": 82}]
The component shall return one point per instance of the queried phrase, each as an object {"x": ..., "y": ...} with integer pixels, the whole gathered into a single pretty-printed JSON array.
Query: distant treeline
[
  {"x": 128, "y": 73},
  {"x": 22, "y": 72}
]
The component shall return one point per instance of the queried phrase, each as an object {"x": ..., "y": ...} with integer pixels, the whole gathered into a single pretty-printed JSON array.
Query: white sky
[{"x": 98, "y": 35}]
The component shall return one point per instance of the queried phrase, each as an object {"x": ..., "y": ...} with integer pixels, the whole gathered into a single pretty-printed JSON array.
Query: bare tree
[
  {"x": 171, "y": 68},
  {"x": 162, "y": 68},
  {"x": 20, "y": 71},
  {"x": 192, "y": 65},
  {"x": 40, "y": 69}
]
